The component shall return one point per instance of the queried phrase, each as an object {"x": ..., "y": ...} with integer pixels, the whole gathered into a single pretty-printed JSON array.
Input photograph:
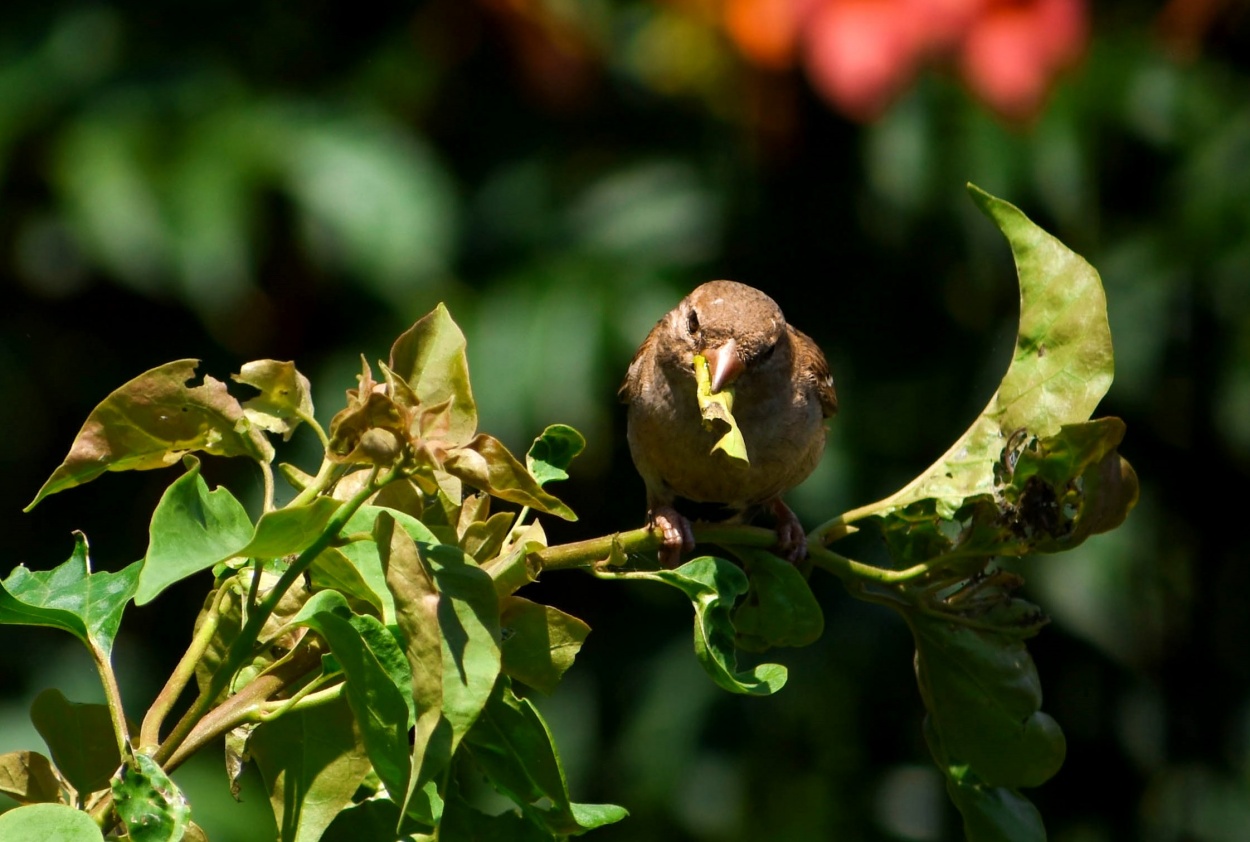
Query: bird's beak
[{"x": 724, "y": 365}]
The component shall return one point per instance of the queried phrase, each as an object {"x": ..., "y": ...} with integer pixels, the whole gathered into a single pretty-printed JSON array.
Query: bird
[{"x": 782, "y": 393}]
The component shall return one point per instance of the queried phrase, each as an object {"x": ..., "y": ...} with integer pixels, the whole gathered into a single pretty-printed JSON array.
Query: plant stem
[
  {"x": 266, "y": 473},
  {"x": 318, "y": 484},
  {"x": 306, "y": 698},
  {"x": 241, "y": 648},
  {"x": 113, "y": 696},
  {"x": 244, "y": 705},
  {"x": 150, "y": 731}
]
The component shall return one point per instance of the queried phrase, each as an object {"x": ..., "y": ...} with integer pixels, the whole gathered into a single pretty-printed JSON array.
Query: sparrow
[{"x": 782, "y": 394}]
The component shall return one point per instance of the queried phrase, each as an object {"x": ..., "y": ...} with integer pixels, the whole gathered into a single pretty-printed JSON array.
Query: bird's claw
[
  {"x": 791, "y": 539},
  {"x": 677, "y": 537}
]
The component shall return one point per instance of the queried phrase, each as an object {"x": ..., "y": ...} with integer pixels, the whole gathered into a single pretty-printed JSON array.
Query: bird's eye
[
  {"x": 766, "y": 353},
  {"x": 692, "y": 323}
]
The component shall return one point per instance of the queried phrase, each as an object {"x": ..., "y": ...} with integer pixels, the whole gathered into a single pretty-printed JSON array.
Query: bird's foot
[
  {"x": 678, "y": 537},
  {"x": 791, "y": 539}
]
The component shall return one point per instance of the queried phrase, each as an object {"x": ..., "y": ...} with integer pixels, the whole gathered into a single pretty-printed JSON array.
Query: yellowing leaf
[
  {"x": 285, "y": 396},
  {"x": 718, "y": 407}
]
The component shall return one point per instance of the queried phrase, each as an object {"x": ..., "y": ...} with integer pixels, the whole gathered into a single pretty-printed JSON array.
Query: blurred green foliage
[{"x": 234, "y": 181}]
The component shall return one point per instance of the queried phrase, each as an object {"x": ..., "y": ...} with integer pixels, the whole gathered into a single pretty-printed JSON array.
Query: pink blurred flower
[
  {"x": 862, "y": 54},
  {"x": 1013, "y": 51}
]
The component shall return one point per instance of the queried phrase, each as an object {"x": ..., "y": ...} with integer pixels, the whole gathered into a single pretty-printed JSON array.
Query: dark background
[{"x": 233, "y": 181}]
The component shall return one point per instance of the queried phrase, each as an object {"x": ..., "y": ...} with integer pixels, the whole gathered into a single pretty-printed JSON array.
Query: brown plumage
[{"x": 783, "y": 393}]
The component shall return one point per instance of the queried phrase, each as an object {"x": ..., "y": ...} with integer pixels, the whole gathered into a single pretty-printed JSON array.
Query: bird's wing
[{"x": 817, "y": 368}]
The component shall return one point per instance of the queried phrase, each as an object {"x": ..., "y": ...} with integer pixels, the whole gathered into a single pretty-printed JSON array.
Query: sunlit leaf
[
  {"x": 312, "y": 762},
  {"x": 150, "y": 805},
  {"x": 192, "y": 529},
  {"x": 717, "y": 408},
  {"x": 430, "y": 356},
  {"x": 151, "y": 422},
  {"x": 285, "y": 396},
  {"x": 540, "y": 642},
  {"x": 49, "y": 822},
  {"x": 70, "y": 597},
  {"x": 289, "y": 530},
  {"x": 552, "y": 452},
  {"x": 1061, "y": 368},
  {"x": 416, "y": 613},
  {"x": 779, "y": 609},
  {"x": 28, "y": 778},
  {"x": 486, "y": 464},
  {"x": 80, "y": 738},
  {"x": 511, "y": 743},
  {"x": 379, "y": 681},
  {"x": 713, "y": 586},
  {"x": 364, "y": 554},
  {"x": 332, "y": 570},
  {"x": 449, "y": 613}
]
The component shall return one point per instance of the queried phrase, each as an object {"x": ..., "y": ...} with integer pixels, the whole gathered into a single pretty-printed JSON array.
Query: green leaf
[
  {"x": 151, "y": 422},
  {"x": 779, "y": 609},
  {"x": 364, "y": 554},
  {"x": 465, "y": 824},
  {"x": 713, "y": 585},
  {"x": 312, "y": 762},
  {"x": 430, "y": 357},
  {"x": 28, "y": 777},
  {"x": 511, "y": 743},
  {"x": 371, "y": 820},
  {"x": 995, "y": 814},
  {"x": 717, "y": 408},
  {"x": 287, "y": 531},
  {"x": 150, "y": 805},
  {"x": 331, "y": 570},
  {"x": 448, "y": 611},
  {"x": 539, "y": 642},
  {"x": 1061, "y": 368},
  {"x": 80, "y": 738},
  {"x": 983, "y": 696},
  {"x": 416, "y": 612},
  {"x": 192, "y": 529},
  {"x": 285, "y": 396},
  {"x": 70, "y": 597},
  {"x": 49, "y": 823},
  {"x": 486, "y": 464},
  {"x": 552, "y": 452},
  {"x": 379, "y": 681}
]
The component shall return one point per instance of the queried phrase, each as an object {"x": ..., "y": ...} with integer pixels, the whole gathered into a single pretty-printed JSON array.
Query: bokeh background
[{"x": 232, "y": 181}]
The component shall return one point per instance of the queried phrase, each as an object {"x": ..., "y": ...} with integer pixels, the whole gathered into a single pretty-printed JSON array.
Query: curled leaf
[
  {"x": 1061, "y": 368},
  {"x": 149, "y": 803},
  {"x": 552, "y": 452},
  {"x": 285, "y": 396},
  {"x": 151, "y": 422},
  {"x": 717, "y": 408}
]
